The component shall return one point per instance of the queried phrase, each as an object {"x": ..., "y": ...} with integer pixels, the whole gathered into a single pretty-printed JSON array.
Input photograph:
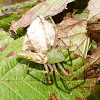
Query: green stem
[{"x": 18, "y": 5}]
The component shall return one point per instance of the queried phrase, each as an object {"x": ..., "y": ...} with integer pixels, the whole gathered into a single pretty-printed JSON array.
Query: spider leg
[
  {"x": 53, "y": 24},
  {"x": 82, "y": 69},
  {"x": 49, "y": 65},
  {"x": 63, "y": 70},
  {"x": 55, "y": 69},
  {"x": 56, "y": 30},
  {"x": 51, "y": 70},
  {"x": 42, "y": 71}
]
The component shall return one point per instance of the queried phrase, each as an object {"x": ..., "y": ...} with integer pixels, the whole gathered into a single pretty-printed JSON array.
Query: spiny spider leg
[
  {"x": 50, "y": 68},
  {"x": 49, "y": 73},
  {"x": 55, "y": 69},
  {"x": 63, "y": 70},
  {"x": 79, "y": 51},
  {"x": 83, "y": 67},
  {"x": 56, "y": 30},
  {"x": 42, "y": 71},
  {"x": 53, "y": 24}
]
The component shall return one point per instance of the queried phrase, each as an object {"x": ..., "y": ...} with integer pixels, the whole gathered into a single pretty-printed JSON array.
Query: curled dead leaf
[
  {"x": 94, "y": 19},
  {"x": 94, "y": 31},
  {"x": 45, "y": 8},
  {"x": 71, "y": 26}
]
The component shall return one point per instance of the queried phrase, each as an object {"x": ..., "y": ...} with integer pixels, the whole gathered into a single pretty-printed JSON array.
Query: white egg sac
[{"x": 40, "y": 35}]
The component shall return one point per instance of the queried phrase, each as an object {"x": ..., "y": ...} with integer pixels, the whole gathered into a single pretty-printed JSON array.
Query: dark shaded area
[
  {"x": 94, "y": 31},
  {"x": 96, "y": 93},
  {"x": 19, "y": 33},
  {"x": 78, "y": 5}
]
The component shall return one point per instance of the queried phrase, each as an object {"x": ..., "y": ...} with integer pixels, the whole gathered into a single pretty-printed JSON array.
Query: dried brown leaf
[
  {"x": 10, "y": 54},
  {"x": 94, "y": 57},
  {"x": 70, "y": 27},
  {"x": 48, "y": 7},
  {"x": 94, "y": 31},
  {"x": 94, "y": 8},
  {"x": 53, "y": 97},
  {"x": 72, "y": 34}
]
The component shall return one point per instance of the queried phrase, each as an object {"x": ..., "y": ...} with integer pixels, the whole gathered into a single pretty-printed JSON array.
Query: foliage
[
  {"x": 17, "y": 82},
  {"x": 5, "y": 21},
  {"x": 15, "y": 78}
]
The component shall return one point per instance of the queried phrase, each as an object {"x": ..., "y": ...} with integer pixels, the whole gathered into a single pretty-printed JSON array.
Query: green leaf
[
  {"x": 5, "y": 21},
  {"x": 16, "y": 82},
  {"x": 94, "y": 44},
  {"x": 12, "y": 46},
  {"x": 84, "y": 89}
]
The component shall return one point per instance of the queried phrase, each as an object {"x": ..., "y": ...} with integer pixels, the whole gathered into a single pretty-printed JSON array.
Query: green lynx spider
[
  {"x": 51, "y": 60},
  {"x": 54, "y": 60},
  {"x": 53, "y": 57}
]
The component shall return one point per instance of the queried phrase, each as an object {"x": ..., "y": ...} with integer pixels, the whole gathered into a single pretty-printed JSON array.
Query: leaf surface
[
  {"x": 16, "y": 82},
  {"x": 8, "y": 45}
]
